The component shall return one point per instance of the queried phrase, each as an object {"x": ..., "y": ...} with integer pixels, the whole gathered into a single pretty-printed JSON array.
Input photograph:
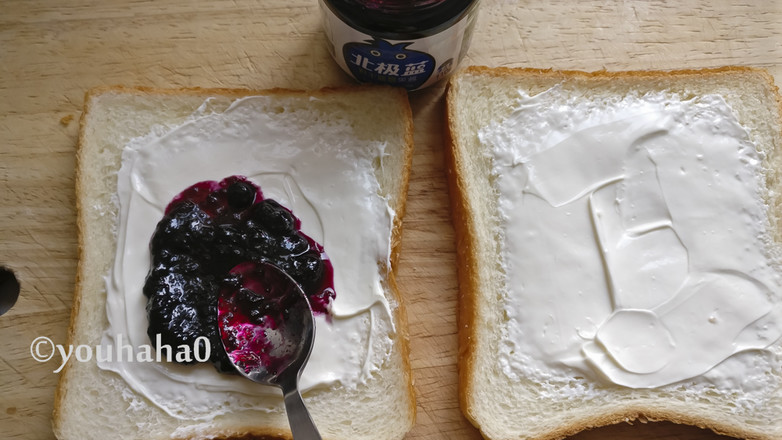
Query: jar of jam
[{"x": 407, "y": 43}]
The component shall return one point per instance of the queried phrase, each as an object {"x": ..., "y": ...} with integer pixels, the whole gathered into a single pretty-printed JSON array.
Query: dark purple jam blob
[{"x": 209, "y": 229}]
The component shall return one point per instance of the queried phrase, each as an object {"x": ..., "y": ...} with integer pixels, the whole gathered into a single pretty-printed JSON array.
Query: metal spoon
[
  {"x": 274, "y": 349},
  {"x": 9, "y": 290}
]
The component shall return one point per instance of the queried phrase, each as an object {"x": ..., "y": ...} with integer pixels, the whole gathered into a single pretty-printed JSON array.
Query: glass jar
[{"x": 408, "y": 43}]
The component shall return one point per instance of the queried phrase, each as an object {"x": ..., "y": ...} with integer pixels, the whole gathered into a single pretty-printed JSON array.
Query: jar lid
[{"x": 400, "y": 19}]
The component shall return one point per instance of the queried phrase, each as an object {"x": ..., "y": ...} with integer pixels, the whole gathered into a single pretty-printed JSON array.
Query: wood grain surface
[{"x": 51, "y": 52}]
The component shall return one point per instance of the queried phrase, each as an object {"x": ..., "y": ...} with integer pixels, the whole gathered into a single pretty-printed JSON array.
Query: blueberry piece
[
  {"x": 240, "y": 195},
  {"x": 229, "y": 248},
  {"x": 208, "y": 311},
  {"x": 207, "y": 306},
  {"x": 187, "y": 229},
  {"x": 173, "y": 261},
  {"x": 232, "y": 281},
  {"x": 256, "y": 306},
  {"x": 169, "y": 286},
  {"x": 310, "y": 268},
  {"x": 247, "y": 298},
  {"x": 293, "y": 244},
  {"x": 306, "y": 269},
  {"x": 230, "y": 240},
  {"x": 274, "y": 217},
  {"x": 177, "y": 324},
  {"x": 154, "y": 282},
  {"x": 179, "y": 307},
  {"x": 261, "y": 244},
  {"x": 184, "y": 321}
]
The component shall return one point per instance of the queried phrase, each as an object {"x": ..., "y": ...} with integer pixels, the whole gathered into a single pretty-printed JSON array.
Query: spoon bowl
[{"x": 267, "y": 329}]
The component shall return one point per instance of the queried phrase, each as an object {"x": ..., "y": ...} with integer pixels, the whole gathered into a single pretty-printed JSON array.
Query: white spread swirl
[
  {"x": 634, "y": 239},
  {"x": 319, "y": 171}
]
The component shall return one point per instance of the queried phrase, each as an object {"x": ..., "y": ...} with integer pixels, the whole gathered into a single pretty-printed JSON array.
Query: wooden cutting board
[{"x": 52, "y": 52}]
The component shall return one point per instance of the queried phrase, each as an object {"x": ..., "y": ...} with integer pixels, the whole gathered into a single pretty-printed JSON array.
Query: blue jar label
[
  {"x": 380, "y": 61},
  {"x": 413, "y": 63}
]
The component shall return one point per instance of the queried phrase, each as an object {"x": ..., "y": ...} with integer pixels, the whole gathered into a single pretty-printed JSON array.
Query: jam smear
[{"x": 209, "y": 232}]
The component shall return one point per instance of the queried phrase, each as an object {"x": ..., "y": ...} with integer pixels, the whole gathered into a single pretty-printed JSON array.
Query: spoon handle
[{"x": 302, "y": 426}]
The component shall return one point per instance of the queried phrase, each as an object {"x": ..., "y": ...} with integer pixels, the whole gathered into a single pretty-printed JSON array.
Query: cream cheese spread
[
  {"x": 325, "y": 176},
  {"x": 634, "y": 239}
]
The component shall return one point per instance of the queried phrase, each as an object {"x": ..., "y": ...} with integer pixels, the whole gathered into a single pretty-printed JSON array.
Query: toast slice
[
  {"x": 580, "y": 309},
  {"x": 95, "y": 402}
]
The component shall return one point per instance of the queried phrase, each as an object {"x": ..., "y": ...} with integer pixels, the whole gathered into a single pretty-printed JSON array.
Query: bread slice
[
  {"x": 92, "y": 403},
  {"x": 556, "y": 401}
]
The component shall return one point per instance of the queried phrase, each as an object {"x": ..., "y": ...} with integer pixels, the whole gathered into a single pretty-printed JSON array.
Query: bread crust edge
[{"x": 465, "y": 257}]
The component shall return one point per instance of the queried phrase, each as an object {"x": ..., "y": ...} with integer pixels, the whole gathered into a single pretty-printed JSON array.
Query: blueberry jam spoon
[{"x": 267, "y": 329}]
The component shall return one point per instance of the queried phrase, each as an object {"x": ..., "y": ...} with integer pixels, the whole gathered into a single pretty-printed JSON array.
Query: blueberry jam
[
  {"x": 208, "y": 230},
  {"x": 261, "y": 318}
]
